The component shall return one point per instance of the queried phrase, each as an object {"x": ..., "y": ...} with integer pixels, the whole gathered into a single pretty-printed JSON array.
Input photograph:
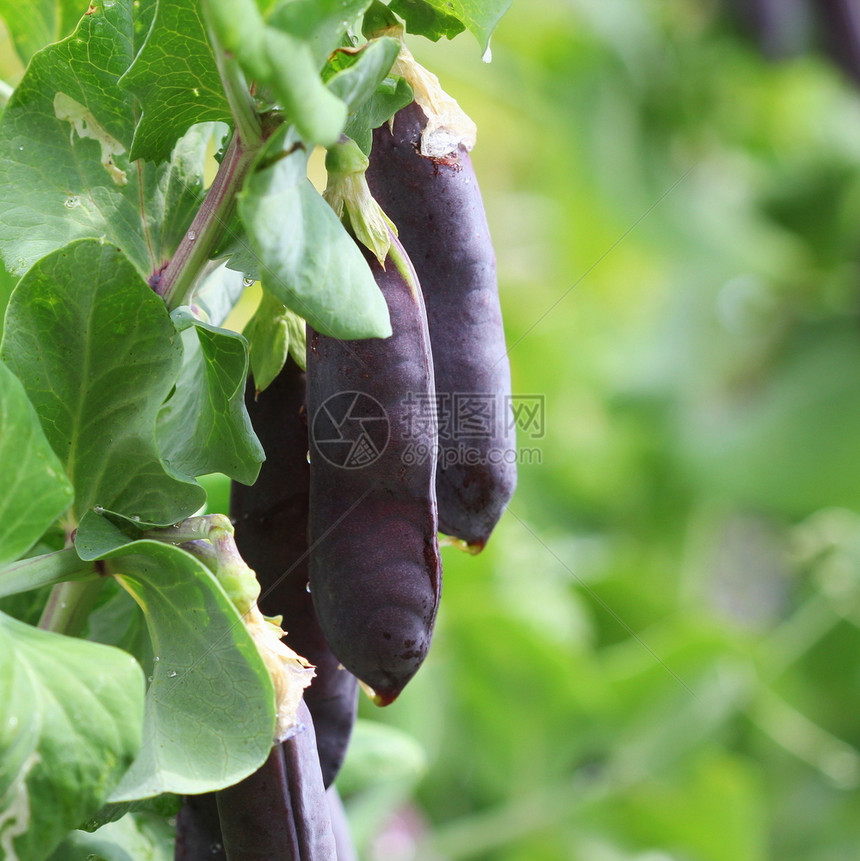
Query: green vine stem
[
  {"x": 202, "y": 237},
  {"x": 69, "y": 606},
  {"x": 177, "y": 281}
]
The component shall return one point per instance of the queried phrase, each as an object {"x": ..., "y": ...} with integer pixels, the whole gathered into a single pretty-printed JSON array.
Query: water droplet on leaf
[
  {"x": 247, "y": 281},
  {"x": 72, "y": 202}
]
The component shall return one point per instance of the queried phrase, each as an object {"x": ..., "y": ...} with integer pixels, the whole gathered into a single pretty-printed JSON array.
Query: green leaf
[
  {"x": 282, "y": 62},
  {"x": 428, "y": 18},
  {"x": 391, "y": 95},
  {"x": 359, "y": 79},
  {"x": 309, "y": 262},
  {"x": 7, "y": 285},
  {"x": 204, "y": 427},
  {"x": 274, "y": 332},
  {"x": 70, "y": 727},
  {"x": 70, "y": 113},
  {"x": 98, "y": 354},
  {"x": 43, "y": 22},
  {"x": 203, "y": 655},
  {"x": 321, "y": 24},
  {"x": 35, "y": 488},
  {"x": 218, "y": 294},
  {"x": 101, "y": 531},
  {"x": 135, "y": 837},
  {"x": 175, "y": 80},
  {"x": 435, "y": 18}
]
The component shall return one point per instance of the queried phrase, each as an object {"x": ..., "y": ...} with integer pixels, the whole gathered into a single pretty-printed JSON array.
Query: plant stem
[
  {"x": 69, "y": 606},
  {"x": 208, "y": 225},
  {"x": 213, "y": 217},
  {"x": 44, "y": 570}
]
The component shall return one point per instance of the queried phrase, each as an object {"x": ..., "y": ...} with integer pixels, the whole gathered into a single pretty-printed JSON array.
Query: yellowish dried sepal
[{"x": 290, "y": 672}]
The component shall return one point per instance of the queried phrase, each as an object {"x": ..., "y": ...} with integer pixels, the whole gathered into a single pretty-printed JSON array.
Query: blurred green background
[{"x": 657, "y": 657}]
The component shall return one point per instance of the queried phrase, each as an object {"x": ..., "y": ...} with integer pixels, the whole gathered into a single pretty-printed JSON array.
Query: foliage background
[{"x": 656, "y": 656}]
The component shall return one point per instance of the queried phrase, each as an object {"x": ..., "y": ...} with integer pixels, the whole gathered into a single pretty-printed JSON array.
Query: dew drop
[
  {"x": 196, "y": 93},
  {"x": 192, "y": 235},
  {"x": 172, "y": 674},
  {"x": 308, "y": 587},
  {"x": 308, "y": 456},
  {"x": 157, "y": 658},
  {"x": 72, "y": 202},
  {"x": 108, "y": 3},
  {"x": 149, "y": 679},
  {"x": 488, "y": 55},
  {"x": 20, "y": 148},
  {"x": 248, "y": 281}
]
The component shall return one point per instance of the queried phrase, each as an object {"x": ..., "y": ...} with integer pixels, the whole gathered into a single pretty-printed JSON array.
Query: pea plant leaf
[
  {"x": 35, "y": 488},
  {"x": 204, "y": 427},
  {"x": 97, "y": 357},
  {"x": 321, "y": 24},
  {"x": 283, "y": 63},
  {"x": 307, "y": 260},
  {"x": 70, "y": 726},
  {"x": 218, "y": 294},
  {"x": 135, "y": 837},
  {"x": 175, "y": 79},
  {"x": 70, "y": 113},
  {"x": 437, "y": 18},
  {"x": 392, "y": 94},
  {"x": 44, "y": 21},
  {"x": 274, "y": 333},
  {"x": 210, "y": 706},
  {"x": 363, "y": 70}
]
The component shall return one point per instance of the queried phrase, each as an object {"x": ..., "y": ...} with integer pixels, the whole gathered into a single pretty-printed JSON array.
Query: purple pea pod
[
  {"x": 271, "y": 520},
  {"x": 375, "y": 569},
  {"x": 280, "y": 811},
  {"x": 436, "y": 205}
]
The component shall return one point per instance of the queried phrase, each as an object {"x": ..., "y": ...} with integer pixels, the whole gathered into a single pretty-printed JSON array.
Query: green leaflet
[
  {"x": 70, "y": 112},
  {"x": 283, "y": 63},
  {"x": 436, "y": 18},
  {"x": 135, "y": 837},
  {"x": 35, "y": 488},
  {"x": 321, "y": 24},
  {"x": 175, "y": 78},
  {"x": 204, "y": 427},
  {"x": 308, "y": 261},
  {"x": 274, "y": 332},
  {"x": 390, "y": 96},
  {"x": 70, "y": 726},
  {"x": 44, "y": 21},
  {"x": 97, "y": 358},
  {"x": 361, "y": 72},
  {"x": 202, "y": 651}
]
